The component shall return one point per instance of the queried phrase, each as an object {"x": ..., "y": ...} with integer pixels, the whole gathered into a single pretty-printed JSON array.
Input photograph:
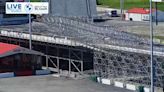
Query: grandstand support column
[
  {"x": 46, "y": 61},
  {"x": 30, "y": 29},
  {"x": 69, "y": 67},
  {"x": 69, "y": 62},
  {"x": 58, "y": 60},
  {"x": 82, "y": 70},
  {"x": 58, "y": 65},
  {"x": 82, "y": 64}
]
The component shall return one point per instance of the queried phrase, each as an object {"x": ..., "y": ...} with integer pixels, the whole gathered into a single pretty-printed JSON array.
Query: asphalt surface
[{"x": 52, "y": 84}]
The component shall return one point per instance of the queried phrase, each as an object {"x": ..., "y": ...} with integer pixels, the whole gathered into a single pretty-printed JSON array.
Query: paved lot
[
  {"x": 52, "y": 84},
  {"x": 140, "y": 28}
]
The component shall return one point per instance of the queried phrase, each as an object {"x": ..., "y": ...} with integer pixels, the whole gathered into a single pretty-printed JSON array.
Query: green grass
[{"x": 129, "y": 4}]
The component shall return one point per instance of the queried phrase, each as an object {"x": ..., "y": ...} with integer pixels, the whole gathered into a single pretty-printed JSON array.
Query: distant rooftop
[{"x": 139, "y": 10}]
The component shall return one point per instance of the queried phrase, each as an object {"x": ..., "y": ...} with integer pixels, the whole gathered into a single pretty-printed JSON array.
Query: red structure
[
  {"x": 4, "y": 48},
  {"x": 139, "y": 10},
  {"x": 19, "y": 60}
]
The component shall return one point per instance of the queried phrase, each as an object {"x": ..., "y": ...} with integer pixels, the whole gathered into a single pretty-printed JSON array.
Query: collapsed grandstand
[{"x": 114, "y": 54}]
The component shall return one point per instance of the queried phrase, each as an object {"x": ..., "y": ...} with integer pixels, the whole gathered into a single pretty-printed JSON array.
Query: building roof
[
  {"x": 4, "y": 48},
  {"x": 10, "y": 49},
  {"x": 139, "y": 10}
]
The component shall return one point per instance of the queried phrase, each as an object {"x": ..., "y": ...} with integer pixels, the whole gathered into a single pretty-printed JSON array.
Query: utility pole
[
  {"x": 30, "y": 28},
  {"x": 156, "y": 13},
  {"x": 122, "y": 8},
  {"x": 50, "y": 6},
  {"x": 151, "y": 45}
]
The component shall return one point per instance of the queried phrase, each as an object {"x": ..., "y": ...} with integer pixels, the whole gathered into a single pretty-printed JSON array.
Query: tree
[{"x": 98, "y": 2}]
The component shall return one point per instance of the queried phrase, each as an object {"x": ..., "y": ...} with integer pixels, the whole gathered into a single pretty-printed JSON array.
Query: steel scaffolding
[
  {"x": 117, "y": 54},
  {"x": 129, "y": 67}
]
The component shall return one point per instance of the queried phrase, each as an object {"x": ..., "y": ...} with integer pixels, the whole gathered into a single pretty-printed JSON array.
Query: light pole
[
  {"x": 122, "y": 8},
  {"x": 30, "y": 29},
  {"x": 156, "y": 13},
  {"x": 50, "y": 6},
  {"x": 151, "y": 45}
]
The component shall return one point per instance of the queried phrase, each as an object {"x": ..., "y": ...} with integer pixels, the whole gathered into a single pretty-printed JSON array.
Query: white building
[{"x": 141, "y": 14}]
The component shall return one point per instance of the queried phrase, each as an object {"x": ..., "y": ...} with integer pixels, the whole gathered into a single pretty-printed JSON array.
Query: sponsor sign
[{"x": 27, "y": 8}]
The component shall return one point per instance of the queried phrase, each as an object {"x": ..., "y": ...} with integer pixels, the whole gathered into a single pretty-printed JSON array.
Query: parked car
[{"x": 112, "y": 13}]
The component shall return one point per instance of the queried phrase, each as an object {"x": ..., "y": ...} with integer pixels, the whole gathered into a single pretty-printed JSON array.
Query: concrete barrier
[
  {"x": 98, "y": 79},
  {"x": 42, "y": 72},
  {"x": 158, "y": 89},
  {"x": 118, "y": 84},
  {"x": 125, "y": 85},
  {"x": 130, "y": 87},
  {"x": 56, "y": 75},
  {"x": 146, "y": 89},
  {"x": 7, "y": 75},
  {"x": 106, "y": 81}
]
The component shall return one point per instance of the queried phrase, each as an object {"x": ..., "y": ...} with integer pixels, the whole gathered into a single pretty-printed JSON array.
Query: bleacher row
[
  {"x": 84, "y": 32},
  {"x": 89, "y": 32},
  {"x": 48, "y": 39}
]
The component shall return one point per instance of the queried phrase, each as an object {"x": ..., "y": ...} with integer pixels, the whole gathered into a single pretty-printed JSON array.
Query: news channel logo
[
  {"x": 28, "y": 7},
  {"x": 13, "y": 7}
]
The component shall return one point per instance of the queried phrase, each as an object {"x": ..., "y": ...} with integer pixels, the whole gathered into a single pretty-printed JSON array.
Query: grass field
[{"x": 129, "y": 4}]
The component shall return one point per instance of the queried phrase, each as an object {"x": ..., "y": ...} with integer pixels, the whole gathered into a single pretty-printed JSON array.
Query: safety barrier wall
[
  {"x": 7, "y": 75},
  {"x": 12, "y": 74},
  {"x": 129, "y": 86}
]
